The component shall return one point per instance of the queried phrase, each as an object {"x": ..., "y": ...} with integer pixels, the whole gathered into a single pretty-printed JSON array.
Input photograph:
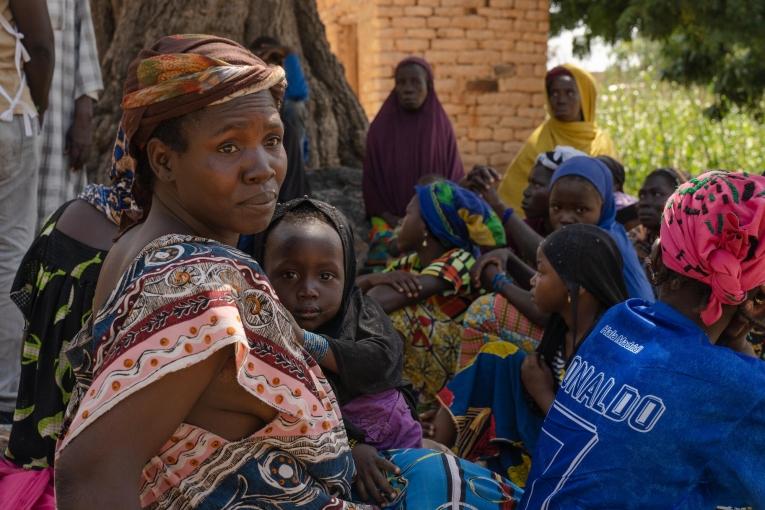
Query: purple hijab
[{"x": 403, "y": 146}]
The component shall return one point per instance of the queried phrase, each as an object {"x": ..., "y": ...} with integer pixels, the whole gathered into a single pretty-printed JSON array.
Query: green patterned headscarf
[{"x": 458, "y": 217}]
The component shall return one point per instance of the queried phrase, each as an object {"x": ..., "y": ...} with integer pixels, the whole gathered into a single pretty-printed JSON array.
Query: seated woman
[
  {"x": 490, "y": 417},
  {"x": 309, "y": 258},
  {"x": 656, "y": 409},
  {"x": 426, "y": 293},
  {"x": 657, "y": 187},
  {"x": 571, "y": 97},
  {"x": 190, "y": 370},
  {"x": 410, "y": 137},
  {"x": 54, "y": 289}
]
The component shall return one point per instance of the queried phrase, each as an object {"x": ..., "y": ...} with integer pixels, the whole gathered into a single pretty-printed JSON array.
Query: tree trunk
[{"x": 336, "y": 123}]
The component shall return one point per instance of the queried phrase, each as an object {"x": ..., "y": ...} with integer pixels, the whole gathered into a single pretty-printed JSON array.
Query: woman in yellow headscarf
[{"x": 571, "y": 95}]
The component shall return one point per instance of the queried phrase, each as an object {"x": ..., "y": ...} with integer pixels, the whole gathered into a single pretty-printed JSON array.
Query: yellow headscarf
[{"x": 583, "y": 135}]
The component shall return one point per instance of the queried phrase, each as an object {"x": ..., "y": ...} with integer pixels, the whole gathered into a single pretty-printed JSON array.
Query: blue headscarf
[
  {"x": 458, "y": 217},
  {"x": 600, "y": 177}
]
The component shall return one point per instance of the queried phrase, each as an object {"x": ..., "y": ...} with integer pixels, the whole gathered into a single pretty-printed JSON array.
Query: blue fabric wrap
[
  {"x": 651, "y": 414},
  {"x": 297, "y": 87}
]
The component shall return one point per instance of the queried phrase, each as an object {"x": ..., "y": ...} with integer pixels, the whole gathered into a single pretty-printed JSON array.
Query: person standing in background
[
  {"x": 293, "y": 113},
  {"x": 68, "y": 129},
  {"x": 571, "y": 96},
  {"x": 25, "y": 79}
]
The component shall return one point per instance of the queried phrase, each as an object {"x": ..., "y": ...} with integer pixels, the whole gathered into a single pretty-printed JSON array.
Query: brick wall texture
[{"x": 488, "y": 56}]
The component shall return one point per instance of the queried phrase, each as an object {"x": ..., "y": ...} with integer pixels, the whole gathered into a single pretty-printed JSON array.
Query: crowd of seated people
[{"x": 533, "y": 339}]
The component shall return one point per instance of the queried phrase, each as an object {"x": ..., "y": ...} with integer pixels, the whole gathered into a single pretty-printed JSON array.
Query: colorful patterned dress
[
  {"x": 54, "y": 289},
  {"x": 432, "y": 328},
  {"x": 182, "y": 299},
  {"x": 492, "y": 318}
]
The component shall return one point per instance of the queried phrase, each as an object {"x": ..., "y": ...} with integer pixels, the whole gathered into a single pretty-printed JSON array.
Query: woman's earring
[
  {"x": 568, "y": 298},
  {"x": 425, "y": 241}
]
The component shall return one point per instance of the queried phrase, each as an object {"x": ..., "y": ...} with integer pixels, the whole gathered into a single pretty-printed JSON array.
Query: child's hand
[
  {"x": 403, "y": 282},
  {"x": 497, "y": 258},
  {"x": 538, "y": 380},
  {"x": 371, "y": 481}
]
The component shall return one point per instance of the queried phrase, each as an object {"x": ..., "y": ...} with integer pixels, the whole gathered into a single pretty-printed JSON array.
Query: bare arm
[
  {"x": 520, "y": 271},
  {"x": 392, "y": 300},
  {"x": 101, "y": 468},
  {"x": 521, "y": 299},
  {"x": 367, "y": 281},
  {"x": 84, "y": 223},
  {"x": 329, "y": 362},
  {"x": 32, "y": 20},
  {"x": 524, "y": 237},
  {"x": 518, "y": 297}
]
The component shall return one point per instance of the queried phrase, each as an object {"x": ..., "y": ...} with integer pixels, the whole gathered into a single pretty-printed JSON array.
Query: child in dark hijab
[{"x": 309, "y": 258}]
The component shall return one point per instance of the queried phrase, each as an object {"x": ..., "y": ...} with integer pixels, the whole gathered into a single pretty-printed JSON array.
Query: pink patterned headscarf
[{"x": 712, "y": 231}]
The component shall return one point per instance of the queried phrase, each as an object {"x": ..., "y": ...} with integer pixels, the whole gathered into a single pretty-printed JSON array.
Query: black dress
[{"x": 54, "y": 289}]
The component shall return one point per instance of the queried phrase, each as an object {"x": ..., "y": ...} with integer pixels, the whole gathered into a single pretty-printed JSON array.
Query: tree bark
[{"x": 336, "y": 124}]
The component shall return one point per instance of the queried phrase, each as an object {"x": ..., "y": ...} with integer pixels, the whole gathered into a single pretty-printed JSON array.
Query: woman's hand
[
  {"x": 482, "y": 272},
  {"x": 483, "y": 180},
  {"x": 401, "y": 281},
  {"x": 371, "y": 480},
  {"x": 749, "y": 316},
  {"x": 538, "y": 380}
]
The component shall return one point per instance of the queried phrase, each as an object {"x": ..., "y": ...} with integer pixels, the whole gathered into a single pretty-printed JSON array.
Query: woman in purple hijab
[{"x": 411, "y": 137}]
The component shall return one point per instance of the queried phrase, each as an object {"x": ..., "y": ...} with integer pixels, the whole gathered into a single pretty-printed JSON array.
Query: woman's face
[
  {"x": 228, "y": 179},
  {"x": 564, "y": 99},
  {"x": 653, "y": 197},
  {"x": 536, "y": 196},
  {"x": 574, "y": 200},
  {"x": 548, "y": 291},
  {"x": 413, "y": 228},
  {"x": 411, "y": 86},
  {"x": 304, "y": 263}
]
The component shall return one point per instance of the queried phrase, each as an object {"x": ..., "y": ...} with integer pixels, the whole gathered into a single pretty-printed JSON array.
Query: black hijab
[
  {"x": 368, "y": 350},
  {"x": 584, "y": 256}
]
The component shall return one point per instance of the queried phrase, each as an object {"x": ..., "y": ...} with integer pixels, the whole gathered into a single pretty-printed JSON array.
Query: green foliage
[
  {"x": 715, "y": 43},
  {"x": 655, "y": 123}
]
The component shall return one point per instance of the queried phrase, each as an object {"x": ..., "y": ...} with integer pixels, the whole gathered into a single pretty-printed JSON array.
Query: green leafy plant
[
  {"x": 656, "y": 123},
  {"x": 718, "y": 44}
]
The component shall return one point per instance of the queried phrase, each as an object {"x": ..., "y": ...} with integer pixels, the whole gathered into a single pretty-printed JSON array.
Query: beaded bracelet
[
  {"x": 499, "y": 281},
  {"x": 506, "y": 215},
  {"x": 316, "y": 345}
]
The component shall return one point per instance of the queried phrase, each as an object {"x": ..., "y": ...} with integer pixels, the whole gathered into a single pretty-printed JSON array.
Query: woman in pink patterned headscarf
[
  {"x": 669, "y": 389},
  {"x": 711, "y": 231}
]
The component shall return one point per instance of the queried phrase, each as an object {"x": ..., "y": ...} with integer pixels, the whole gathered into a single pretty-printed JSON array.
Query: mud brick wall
[{"x": 489, "y": 58}]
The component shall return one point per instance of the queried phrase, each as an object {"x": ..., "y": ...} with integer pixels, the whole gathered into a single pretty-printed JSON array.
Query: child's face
[
  {"x": 653, "y": 197},
  {"x": 548, "y": 291},
  {"x": 412, "y": 231},
  {"x": 305, "y": 265},
  {"x": 574, "y": 201},
  {"x": 536, "y": 196}
]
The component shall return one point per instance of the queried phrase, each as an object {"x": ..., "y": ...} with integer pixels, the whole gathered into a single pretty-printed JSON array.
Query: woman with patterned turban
[{"x": 193, "y": 390}]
